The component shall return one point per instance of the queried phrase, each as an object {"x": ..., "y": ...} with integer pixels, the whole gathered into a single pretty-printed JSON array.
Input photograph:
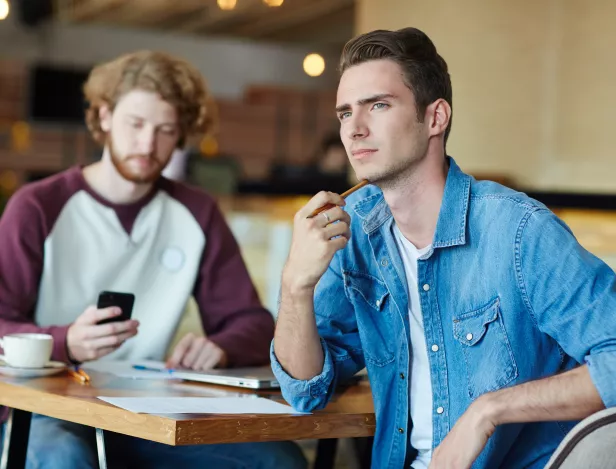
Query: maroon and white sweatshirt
[{"x": 61, "y": 244}]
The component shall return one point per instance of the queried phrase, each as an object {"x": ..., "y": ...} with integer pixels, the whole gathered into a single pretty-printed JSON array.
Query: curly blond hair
[{"x": 175, "y": 80}]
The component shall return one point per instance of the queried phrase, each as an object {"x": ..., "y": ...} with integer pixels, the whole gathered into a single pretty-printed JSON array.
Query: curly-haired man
[{"x": 118, "y": 225}]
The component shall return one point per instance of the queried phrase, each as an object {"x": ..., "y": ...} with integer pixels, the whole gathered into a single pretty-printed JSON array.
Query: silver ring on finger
[{"x": 326, "y": 217}]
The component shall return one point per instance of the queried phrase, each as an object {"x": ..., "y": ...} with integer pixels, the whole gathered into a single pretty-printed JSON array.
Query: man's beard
[
  {"x": 393, "y": 176},
  {"x": 143, "y": 176},
  {"x": 399, "y": 172}
]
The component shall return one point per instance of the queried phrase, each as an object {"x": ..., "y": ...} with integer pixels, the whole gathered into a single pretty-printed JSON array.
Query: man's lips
[
  {"x": 142, "y": 161},
  {"x": 362, "y": 153}
]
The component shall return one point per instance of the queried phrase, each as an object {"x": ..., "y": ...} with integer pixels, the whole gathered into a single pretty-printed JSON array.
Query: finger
[
  {"x": 91, "y": 353},
  {"x": 212, "y": 361},
  {"x": 111, "y": 340},
  {"x": 206, "y": 356},
  {"x": 330, "y": 216},
  {"x": 93, "y": 315},
  {"x": 338, "y": 243},
  {"x": 337, "y": 229},
  {"x": 180, "y": 350},
  {"x": 318, "y": 201},
  {"x": 101, "y": 352},
  {"x": 193, "y": 352},
  {"x": 112, "y": 328}
]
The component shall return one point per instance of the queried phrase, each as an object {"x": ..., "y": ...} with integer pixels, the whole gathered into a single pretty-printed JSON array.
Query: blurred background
[{"x": 534, "y": 91}]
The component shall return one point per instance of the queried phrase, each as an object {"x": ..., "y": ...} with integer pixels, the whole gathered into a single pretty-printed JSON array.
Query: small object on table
[{"x": 79, "y": 375}]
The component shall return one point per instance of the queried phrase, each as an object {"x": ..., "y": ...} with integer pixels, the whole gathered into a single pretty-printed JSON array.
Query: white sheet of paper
[{"x": 199, "y": 405}]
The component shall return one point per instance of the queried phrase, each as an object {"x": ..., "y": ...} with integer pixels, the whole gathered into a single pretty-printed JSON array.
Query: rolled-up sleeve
[
  {"x": 342, "y": 352},
  {"x": 602, "y": 368},
  {"x": 305, "y": 395},
  {"x": 571, "y": 295}
]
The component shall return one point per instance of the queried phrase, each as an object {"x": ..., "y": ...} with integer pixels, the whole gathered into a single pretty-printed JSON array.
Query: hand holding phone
[{"x": 99, "y": 331}]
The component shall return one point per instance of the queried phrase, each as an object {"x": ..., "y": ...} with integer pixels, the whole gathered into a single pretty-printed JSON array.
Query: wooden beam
[
  {"x": 287, "y": 18},
  {"x": 152, "y": 12},
  {"x": 84, "y": 10},
  {"x": 214, "y": 15}
]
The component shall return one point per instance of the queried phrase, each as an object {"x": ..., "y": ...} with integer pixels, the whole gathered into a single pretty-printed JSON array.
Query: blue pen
[{"x": 148, "y": 368}]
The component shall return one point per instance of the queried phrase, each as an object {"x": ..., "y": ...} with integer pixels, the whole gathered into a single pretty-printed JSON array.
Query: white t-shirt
[{"x": 421, "y": 387}]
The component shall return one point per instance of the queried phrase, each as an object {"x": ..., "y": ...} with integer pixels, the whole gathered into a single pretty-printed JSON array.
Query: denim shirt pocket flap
[
  {"x": 370, "y": 289},
  {"x": 470, "y": 328}
]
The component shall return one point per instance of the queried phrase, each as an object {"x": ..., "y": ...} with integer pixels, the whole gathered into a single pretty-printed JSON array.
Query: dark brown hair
[
  {"x": 175, "y": 80},
  {"x": 425, "y": 71}
]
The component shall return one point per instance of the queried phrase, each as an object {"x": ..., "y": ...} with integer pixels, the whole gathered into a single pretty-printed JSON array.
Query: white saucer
[{"x": 51, "y": 368}]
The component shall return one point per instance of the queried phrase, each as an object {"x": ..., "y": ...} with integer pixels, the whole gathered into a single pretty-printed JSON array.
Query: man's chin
[
  {"x": 373, "y": 176},
  {"x": 140, "y": 178},
  {"x": 380, "y": 179}
]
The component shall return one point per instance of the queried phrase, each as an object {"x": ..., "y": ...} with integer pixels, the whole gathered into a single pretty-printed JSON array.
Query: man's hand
[
  {"x": 197, "y": 353},
  {"x": 312, "y": 247},
  {"x": 315, "y": 241},
  {"x": 86, "y": 340},
  {"x": 466, "y": 440}
]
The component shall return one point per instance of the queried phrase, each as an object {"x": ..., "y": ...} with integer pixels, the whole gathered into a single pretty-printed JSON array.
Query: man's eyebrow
[
  {"x": 364, "y": 101},
  {"x": 138, "y": 117}
]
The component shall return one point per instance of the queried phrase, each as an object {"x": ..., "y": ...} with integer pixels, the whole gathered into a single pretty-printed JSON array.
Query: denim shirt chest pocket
[
  {"x": 370, "y": 298},
  {"x": 488, "y": 357}
]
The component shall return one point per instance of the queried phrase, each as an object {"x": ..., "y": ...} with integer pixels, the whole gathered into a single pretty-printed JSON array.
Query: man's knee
[
  {"x": 56, "y": 444},
  {"x": 285, "y": 454}
]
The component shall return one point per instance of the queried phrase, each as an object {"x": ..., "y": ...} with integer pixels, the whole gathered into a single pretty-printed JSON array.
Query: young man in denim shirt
[{"x": 486, "y": 329}]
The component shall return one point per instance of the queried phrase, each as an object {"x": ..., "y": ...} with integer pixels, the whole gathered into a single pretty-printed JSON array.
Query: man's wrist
[
  {"x": 490, "y": 408},
  {"x": 296, "y": 289},
  {"x": 70, "y": 356}
]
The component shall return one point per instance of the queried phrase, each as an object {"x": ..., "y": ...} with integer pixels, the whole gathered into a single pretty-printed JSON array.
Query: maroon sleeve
[
  {"x": 23, "y": 229},
  {"x": 232, "y": 314}
]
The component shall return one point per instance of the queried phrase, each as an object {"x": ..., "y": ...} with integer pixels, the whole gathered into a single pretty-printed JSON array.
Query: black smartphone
[{"x": 124, "y": 301}]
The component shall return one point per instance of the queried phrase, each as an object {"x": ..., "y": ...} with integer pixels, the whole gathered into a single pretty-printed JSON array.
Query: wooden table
[{"x": 350, "y": 414}]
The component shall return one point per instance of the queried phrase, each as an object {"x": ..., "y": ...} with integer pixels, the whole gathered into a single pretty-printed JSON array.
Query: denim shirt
[{"x": 507, "y": 294}]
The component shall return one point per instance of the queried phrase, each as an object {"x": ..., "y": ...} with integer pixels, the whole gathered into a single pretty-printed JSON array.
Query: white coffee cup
[{"x": 27, "y": 350}]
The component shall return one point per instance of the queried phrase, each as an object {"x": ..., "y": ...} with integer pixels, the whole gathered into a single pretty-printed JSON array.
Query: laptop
[{"x": 252, "y": 378}]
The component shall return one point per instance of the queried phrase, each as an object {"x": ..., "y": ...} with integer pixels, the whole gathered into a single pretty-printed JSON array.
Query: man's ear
[
  {"x": 439, "y": 114},
  {"x": 104, "y": 115}
]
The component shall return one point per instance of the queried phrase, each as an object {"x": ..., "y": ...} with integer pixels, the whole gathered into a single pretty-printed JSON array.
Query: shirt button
[
  {"x": 469, "y": 336},
  {"x": 401, "y": 375},
  {"x": 426, "y": 287},
  {"x": 400, "y": 430},
  {"x": 378, "y": 303},
  {"x": 435, "y": 348},
  {"x": 384, "y": 262},
  {"x": 440, "y": 410}
]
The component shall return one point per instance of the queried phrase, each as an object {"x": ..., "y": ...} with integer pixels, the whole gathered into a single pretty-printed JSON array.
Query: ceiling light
[
  {"x": 4, "y": 9},
  {"x": 314, "y": 65},
  {"x": 273, "y": 3},
  {"x": 227, "y": 4}
]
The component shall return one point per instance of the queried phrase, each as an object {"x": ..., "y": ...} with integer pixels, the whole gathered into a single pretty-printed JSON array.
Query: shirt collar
[{"x": 453, "y": 215}]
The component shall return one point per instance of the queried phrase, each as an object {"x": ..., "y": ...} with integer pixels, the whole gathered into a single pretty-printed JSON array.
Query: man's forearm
[
  {"x": 568, "y": 396},
  {"x": 296, "y": 339}
]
